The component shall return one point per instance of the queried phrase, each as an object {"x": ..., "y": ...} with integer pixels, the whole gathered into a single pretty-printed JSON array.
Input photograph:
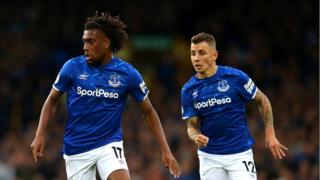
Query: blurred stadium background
[{"x": 275, "y": 42}]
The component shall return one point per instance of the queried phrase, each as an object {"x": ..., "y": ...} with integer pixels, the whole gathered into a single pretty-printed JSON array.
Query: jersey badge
[
  {"x": 223, "y": 86},
  {"x": 114, "y": 80},
  {"x": 143, "y": 87},
  {"x": 249, "y": 86}
]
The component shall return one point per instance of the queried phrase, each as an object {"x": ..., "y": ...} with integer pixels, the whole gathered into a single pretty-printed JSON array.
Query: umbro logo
[
  {"x": 83, "y": 76},
  {"x": 195, "y": 94}
]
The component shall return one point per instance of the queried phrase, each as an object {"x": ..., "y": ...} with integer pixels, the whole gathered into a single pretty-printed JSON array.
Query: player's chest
[
  {"x": 100, "y": 81},
  {"x": 217, "y": 93}
]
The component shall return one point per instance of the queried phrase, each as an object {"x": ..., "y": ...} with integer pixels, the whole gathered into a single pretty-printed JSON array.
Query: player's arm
[
  {"x": 152, "y": 119},
  {"x": 193, "y": 128},
  {"x": 47, "y": 111},
  {"x": 272, "y": 143}
]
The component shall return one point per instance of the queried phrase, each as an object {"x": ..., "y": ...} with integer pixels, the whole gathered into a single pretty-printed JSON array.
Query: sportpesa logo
[
  {"x": 212, "y": 102},
  {"x": 96, "y": 93}
]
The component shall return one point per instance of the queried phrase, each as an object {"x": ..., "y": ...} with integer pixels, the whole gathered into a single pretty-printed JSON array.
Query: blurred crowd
[{"x": 275, "y": 42}]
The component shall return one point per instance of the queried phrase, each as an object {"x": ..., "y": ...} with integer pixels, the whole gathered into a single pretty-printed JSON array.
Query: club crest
[
  {"x": 114, "y": 80},
  {"x": 223, "y": 86}
]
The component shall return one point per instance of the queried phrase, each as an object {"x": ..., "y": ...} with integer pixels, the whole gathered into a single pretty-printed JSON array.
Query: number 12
[{"x": 248, "y": 165}]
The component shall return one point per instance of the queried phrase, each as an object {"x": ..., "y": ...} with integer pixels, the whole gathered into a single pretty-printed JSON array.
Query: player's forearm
[
  {"x": 267, "y": 115},
  {"x": 155, "y": 126},
  {"x": 193, "y": 132},
  {"x": 193, "y": 127},
  {"x": 47, "y": 111}
]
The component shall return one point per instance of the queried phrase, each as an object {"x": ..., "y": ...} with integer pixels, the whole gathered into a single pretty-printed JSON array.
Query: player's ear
[
  {"x": 106, "y": 43},
  {"x": 215, "y": 54}
]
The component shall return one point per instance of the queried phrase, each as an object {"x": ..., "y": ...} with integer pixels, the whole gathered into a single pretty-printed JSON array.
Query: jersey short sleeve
[
  {"x": 63, "y": 79},
  {"x": 137, "y": 87},
  {"x": 246, "y": 86},
  {"x": 187, "y": 108}
]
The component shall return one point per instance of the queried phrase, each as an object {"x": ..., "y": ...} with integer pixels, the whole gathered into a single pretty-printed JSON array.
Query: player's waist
[
  {"x": 73, "y": 146},
  {"x": 226, "y": 150},
  {"x": 212, "y": 155}
]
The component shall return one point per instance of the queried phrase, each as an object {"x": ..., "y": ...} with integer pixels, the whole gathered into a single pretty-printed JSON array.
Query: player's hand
[
  {"x": 201, "y": 140},
  {"x": 276, "y": 148},
  {"x": 37, "y": 147},
  {"x": 171, "y": 163}
]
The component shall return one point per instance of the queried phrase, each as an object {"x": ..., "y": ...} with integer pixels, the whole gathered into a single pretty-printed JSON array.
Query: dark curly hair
[{"x": 112, "y": 26}]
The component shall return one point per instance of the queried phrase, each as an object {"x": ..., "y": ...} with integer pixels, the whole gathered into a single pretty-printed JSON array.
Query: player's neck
[
  {"x": 106, "y": 59},
  {"x": 211, "y": 71}
]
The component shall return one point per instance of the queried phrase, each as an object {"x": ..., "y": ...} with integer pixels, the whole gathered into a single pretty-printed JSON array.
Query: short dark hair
[
  {"x": 112, "y": 26},
  {"x": 204, "y": 37}
]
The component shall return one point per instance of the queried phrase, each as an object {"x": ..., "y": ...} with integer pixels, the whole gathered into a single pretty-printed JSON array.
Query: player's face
[
  {"x": 95, "y": 45},
  {"x": 203, "y": 57}
]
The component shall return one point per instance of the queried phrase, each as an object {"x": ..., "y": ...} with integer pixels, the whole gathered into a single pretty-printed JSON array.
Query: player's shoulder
[
  {"x": 191, "y": 82},
  {"x": 76, "y": 60},
  {"x": 228, "y": 70},
  {"x": 120, "y": 62},
  {"x": 73, "y": 63},
  {"x": 123, "y": 65}
]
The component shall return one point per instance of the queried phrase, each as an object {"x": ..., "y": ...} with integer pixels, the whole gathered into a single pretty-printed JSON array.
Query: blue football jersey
[
  {"x": 96, "y": 97},
  {"x": 219, "y": 101}
]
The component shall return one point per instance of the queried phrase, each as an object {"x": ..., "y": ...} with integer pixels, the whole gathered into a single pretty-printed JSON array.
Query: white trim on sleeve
[
  {"x": 185, "y": 117},
  {"x": 254, "y": 94},
  {"x": 54, "y": 87},
  {"x": 145, "y": 96}
]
